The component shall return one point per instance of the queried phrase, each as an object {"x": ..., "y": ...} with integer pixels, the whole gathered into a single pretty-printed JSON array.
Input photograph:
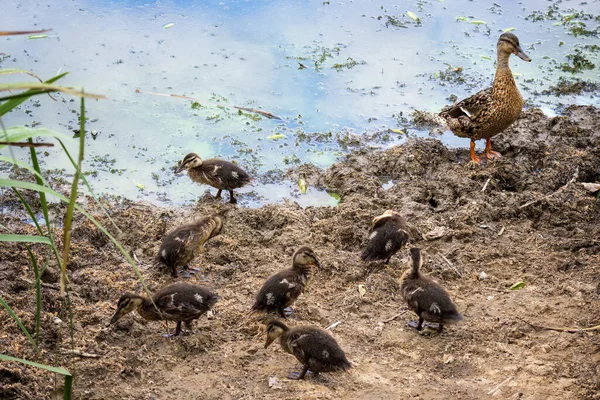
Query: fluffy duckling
[
  {"x": 313, "y": 347},
  {"x": 425, "y": 297},
  {"x": 180, "y": 302},
  {"x": 388, "y": 234},
  {"x": 186, "y": 242},
  {"x": 283, "y": 288},
  {"x": 492, "y": 110},
  {"x": 216, "y": 173}
]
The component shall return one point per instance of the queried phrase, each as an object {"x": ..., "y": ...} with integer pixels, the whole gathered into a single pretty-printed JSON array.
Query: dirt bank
[{"x": 524, "y": 217}]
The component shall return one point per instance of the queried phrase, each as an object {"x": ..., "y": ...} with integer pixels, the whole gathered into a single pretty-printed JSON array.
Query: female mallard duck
[
  {"x": 388, "y": 234},
  {"x": 313, "y": 347},
  {"x": 492, "y": 110},
  {"x": 181, "y": 302},
  {"x": 184, "y": 243},
  {"x": 216, "y": 173},
  {"x": 426, "y": 297},
  {"x": 282, "y": 289}
]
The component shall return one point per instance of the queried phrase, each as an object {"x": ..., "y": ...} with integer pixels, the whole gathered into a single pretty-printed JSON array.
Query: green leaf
[
  {"x": 38, "y": 36},
  {"x": 57, "y": 370},
  {"x": 276, "y": 136},
  {"x": 477, "y": 22},
  {"x": 48, "y": 86},
  {"x": 486, "y": 57},
  {"x": 10, "y": 104},
  {"x": 303, "y": 186},
  {"x": 517, "y": 286},
  {"x": 169, "y": 25},
  {"x": 509, "y": 29},
  {"x": 6, "y": 237},
  {"x": 412, "y": 15},
  {"x": 335, "y": 195},
  {"x": 16, "y": 318},
  {"x": 462, "y": 18}
]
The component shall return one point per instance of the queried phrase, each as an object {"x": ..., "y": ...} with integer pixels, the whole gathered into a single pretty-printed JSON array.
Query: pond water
[{"x": 329, "y": 69}]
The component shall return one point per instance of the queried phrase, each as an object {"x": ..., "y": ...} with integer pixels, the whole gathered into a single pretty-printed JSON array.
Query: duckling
[
  {"x": 312, "y": 346},
  {"x": 181, "y": 302},
  {"x": 492, "y": 110},
  {"x": 219, "y": 174},
  {"x": 426, "y": 297},
  {"x": 186, "y": 242},
  {"x": 388, "y": 234},
  {"x": 283, "y": 288}
]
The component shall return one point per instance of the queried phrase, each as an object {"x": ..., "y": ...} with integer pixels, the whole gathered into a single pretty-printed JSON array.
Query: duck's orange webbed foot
[
  {"x": 489, "y": 153},
  {"x": 474, "y": 158}
]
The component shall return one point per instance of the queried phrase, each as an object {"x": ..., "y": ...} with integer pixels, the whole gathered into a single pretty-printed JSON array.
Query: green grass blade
[
  {"x": 22, "y": 133},
  {"x": 72, "y": 199},
  {"x": 11, "y": 104},
  {"x": 16, "y": 318},
  {"x": 89, "y": 187},
  {"x": 22, "y": 165},
  {"x": 57, "y": 370},
  {"x": 29, "y": 211},
  {"x": 6, "y": 237},
  {"x": 47, "y": 86},
  {"x": 44, "y": 202},
  {"x": 33, "y": 186}
]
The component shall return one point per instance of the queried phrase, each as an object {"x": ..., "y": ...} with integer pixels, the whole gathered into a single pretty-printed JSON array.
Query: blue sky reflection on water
[{"x": 247, "y": 53}]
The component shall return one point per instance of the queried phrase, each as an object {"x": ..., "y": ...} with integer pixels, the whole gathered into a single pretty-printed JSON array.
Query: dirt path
[{"x": 525, "y": 217}]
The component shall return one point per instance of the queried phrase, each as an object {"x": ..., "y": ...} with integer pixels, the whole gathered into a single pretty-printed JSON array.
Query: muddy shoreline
[{"x": 522, "y": 218}]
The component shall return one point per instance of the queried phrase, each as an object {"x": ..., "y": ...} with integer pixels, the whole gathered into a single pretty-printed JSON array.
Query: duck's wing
[{"x": 470, "y": 107}]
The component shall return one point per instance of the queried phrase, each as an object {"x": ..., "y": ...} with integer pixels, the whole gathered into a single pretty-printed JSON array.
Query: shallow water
[{"x": 368, "y": 66}]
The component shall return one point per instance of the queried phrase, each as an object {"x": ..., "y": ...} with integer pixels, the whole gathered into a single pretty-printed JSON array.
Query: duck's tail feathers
[{"x": 452, "y": 319}]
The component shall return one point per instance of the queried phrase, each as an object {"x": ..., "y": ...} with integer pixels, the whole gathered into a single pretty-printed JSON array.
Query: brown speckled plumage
[
  {"x": 186, "y": 242},
  {"x": 316, "y": 349},
  {"x": 388, "y": 234},
  {"x": 492, "y": 110},
  {"x": 180, "y": 302},
  {"x": 219, "y": 174},
  {"x": 425, "y": 297},
  {"x": 283, "y": 288}
]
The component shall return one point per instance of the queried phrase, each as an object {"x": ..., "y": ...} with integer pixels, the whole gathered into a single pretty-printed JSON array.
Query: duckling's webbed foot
[
  {"x": 418, "y": 325},
  {"x": 232, "y": 199},
  {"x": 298, "y": 375},
  {"x": 176, "y": 333},
  {"x": 192, "y": 271},
  {"x": 286, "y": 312},
  {"x": 185, "y": 274}
]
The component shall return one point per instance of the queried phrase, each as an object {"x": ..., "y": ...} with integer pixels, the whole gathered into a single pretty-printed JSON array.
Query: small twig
[
  {"x": 560, "y": 189},
  {"x": 451, "y": 265},
  {"x": 504, "y": 382},
  {"x": 498, "y": 290},
  {"x": 8, "y": 33},
  {"x": 26, "y": 144},
  {"x": 50, "y": 286},
  {"x": 333, "y": 326},
  {"x": 76, "y": 352},
  {"x": 561, "y": 329},
  {"x": 486, "y": 183},
  {"x": 393, "y": 317}
]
